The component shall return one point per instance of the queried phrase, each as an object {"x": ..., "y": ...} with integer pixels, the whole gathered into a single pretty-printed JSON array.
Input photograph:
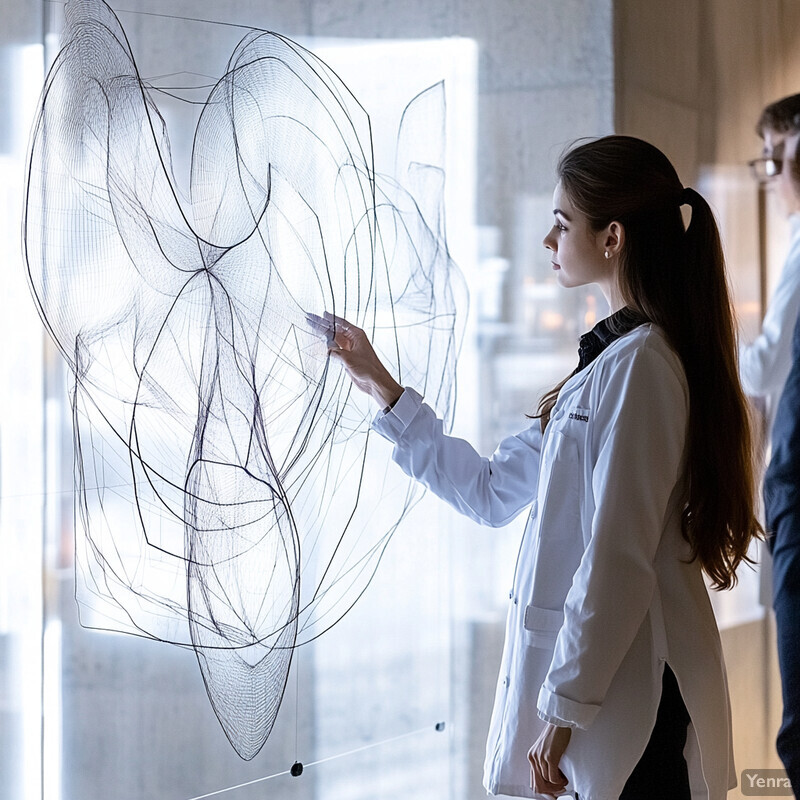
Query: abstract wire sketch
[{"x": 221, "y": 490}]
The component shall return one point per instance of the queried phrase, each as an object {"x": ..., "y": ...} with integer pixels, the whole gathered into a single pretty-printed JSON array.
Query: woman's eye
[{"x": 560, "y": 226}]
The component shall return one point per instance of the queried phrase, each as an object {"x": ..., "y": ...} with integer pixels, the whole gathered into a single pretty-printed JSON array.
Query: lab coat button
[{"x": 506, "y": 681}]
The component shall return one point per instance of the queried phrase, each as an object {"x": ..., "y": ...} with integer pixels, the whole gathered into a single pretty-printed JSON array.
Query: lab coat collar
[{"x": 606, "y": 331}]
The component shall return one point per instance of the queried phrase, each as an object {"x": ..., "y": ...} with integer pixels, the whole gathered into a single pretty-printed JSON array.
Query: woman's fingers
[
  {"x": 543, "y": 780},
  {"x": 337, "y": 331},
  {"x": 320, "y": 327},
  {"x": 317, "y": 323},
  {"x": 544, "y": 758},
  {"x": 339, "y": 324},
  {"x": 344, "y": 339},
  {"x": 553, "y": 774}
]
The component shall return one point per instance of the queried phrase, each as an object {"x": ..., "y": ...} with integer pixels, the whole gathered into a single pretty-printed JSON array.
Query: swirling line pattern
[{"x": 219, "y": 459}]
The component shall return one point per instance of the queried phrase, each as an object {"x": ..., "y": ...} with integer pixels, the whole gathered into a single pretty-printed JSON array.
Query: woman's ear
[{"x": 613, "y": 238}]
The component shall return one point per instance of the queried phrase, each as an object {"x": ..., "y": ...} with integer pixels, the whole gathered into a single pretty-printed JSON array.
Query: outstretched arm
[{"x": 489, "y": 490}]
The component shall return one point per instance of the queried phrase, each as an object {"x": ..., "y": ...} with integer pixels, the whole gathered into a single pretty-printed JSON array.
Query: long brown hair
[{"x": 675, "y": 277}]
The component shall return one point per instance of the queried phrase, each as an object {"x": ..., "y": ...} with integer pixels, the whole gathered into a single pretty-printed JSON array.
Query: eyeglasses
[{"x": 765, "y": 168}]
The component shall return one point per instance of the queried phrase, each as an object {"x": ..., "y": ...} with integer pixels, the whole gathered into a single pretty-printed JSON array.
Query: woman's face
[{"x": 578, "y": 251}]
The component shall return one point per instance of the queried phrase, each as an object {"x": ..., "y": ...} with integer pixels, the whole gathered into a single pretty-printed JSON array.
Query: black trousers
[{"x": 661, "y": 773}]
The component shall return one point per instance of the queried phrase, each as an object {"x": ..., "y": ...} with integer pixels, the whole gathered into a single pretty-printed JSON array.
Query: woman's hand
[
  {"x": 544, "y": 758},
  {"x": 351, "y": 346}
]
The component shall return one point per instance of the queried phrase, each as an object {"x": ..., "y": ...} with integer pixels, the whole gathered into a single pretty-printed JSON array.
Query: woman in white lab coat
[{"x": 638, "y": 473}]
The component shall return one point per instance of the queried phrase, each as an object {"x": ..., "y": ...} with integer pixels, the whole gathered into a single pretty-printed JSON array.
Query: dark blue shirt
[{"x": 782, "y": 480}]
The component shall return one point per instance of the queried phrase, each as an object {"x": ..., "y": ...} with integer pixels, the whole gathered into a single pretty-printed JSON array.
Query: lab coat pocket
[
  {"x": 542, "y": 626},
  {"x": 560, "y": 493}
]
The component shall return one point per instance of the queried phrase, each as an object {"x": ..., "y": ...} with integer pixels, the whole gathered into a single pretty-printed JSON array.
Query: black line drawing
[{"x": 221, "y": 489}]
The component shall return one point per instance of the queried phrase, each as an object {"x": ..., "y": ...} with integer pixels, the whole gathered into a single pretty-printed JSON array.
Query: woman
[{"x": 639, "y": 476}]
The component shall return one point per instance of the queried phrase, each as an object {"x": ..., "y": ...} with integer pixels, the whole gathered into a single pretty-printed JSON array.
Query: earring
[{"x": 607, "y": 254}]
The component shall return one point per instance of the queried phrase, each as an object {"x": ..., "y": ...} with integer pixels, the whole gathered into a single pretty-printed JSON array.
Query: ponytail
[{"x": 718, "y": 520}]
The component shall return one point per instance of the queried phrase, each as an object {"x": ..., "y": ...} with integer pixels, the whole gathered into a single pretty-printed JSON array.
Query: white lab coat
[
  {"x": 765, "y": 362},
  {"x": 602, "y": 594}
]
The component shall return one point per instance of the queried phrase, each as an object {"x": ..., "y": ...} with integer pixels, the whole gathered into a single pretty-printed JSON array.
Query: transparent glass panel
[
  {"x": 363, "y": 701},
  {"x": 91, "y": 714}
]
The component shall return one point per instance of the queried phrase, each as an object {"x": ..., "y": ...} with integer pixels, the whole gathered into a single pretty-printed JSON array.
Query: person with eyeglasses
[
  {"x": 774, "y": 361},
  {"x": 764, "y": 363}
]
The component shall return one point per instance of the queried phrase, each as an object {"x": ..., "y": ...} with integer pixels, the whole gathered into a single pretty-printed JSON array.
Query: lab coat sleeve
[
  {"x": 491, "y": 491},
  {"x": 765, "y": 362},
  {"x": 640, "y": 431}
]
